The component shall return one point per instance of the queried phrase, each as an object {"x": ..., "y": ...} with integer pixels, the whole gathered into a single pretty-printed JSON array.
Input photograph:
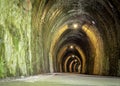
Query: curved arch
[
  {"x": 74, "y": 67},
  {"x": 54, "y": 41},
  {"x": 64, "y": 48},
  {"x": 66, "y": 61},
  {"x": 70, "y": 66},
  {"x": 97, "y": 42}
]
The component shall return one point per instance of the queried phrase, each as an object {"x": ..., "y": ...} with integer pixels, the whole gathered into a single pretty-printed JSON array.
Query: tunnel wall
[
  {"x": 29, "y": 27},
  {"x": 15, "y": 38}
]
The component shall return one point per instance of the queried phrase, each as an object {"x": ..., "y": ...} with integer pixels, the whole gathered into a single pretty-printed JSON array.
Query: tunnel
[
  {"x": 75, "y": 40},
  {"x": 73, "y": 43},
  {"x": 59, "y": 36},
  {"x": 85, "y": 31}
]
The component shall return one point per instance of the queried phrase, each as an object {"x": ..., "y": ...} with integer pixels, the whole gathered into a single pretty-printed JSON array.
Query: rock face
[
  {"x": 77, "y": 36},
  {"x": 15, "y": 39}
]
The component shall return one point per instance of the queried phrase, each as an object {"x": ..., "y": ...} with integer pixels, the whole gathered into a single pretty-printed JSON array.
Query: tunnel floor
[{"x": 66, "y": 79}]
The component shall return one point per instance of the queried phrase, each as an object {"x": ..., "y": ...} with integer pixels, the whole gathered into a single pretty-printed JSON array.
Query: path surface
[{"x": 62, "y": 80}]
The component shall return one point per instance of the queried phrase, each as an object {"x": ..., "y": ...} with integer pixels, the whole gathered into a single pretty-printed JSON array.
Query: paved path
[{"x": 62, "y": 80}]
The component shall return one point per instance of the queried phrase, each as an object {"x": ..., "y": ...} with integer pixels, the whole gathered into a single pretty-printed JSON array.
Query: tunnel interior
[
  {"x": 74, "y": 41},
  {"x": 89, "y": 31},
  {"x": 63, "y": 36},
  {"x": 71, "y": 43}
]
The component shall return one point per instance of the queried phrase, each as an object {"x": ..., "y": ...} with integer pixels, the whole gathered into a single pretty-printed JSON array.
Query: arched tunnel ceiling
[
  {"x": 97, "y": 24},
  {"x": 88, "y": 25},
  {"x": 75, "y": 36}
]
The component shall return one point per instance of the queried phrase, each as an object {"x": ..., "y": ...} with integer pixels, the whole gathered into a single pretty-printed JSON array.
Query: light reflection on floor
[{"x": 62, "y": 80}]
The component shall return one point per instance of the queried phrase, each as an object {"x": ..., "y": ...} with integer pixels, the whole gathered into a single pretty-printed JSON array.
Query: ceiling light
[
  {"x": 73, "y": 56},
  {"x": 71, "y": 46},
  {"x": 75, "y": 25}
]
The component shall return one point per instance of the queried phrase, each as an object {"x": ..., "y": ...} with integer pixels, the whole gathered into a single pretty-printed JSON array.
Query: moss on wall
[
  {"x": 15, "y": 39},
  {"x": 21, "y": 38}
]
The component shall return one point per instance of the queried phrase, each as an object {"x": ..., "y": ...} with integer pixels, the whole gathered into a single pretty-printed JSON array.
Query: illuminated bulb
[
  {"x": 93, "y": 22},
  {"x": 75, "y": 25},
  {"x": 73, "y": 55},
  {"x": 71, "y": 47},
  {"x": 75, "y": 60}
]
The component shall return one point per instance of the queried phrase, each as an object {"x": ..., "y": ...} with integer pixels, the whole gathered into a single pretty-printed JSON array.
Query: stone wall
[{"x": 15, "y": 38}]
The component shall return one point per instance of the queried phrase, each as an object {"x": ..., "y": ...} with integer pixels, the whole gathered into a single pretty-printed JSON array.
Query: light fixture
[
  {"x": 73, "y": 56},
  {"x": 71, "y": 47},
  {"x": 75, "y": 60},
  {"x": 93, "y": 22},
  {"x": 75, "y": 25}
]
